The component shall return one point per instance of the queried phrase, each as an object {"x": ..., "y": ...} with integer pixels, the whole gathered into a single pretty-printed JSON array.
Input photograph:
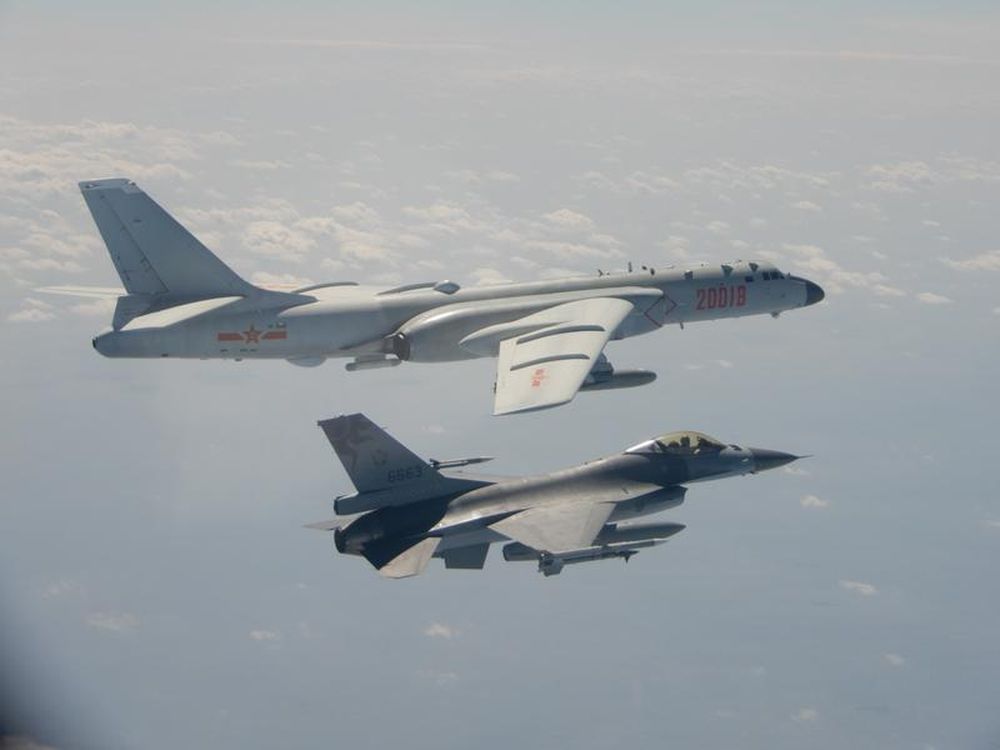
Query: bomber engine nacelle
[{"x": 433, "y": 336}]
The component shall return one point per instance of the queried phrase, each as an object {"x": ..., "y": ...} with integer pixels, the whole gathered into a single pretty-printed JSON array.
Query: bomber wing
[{"x": 546, "y": 366}]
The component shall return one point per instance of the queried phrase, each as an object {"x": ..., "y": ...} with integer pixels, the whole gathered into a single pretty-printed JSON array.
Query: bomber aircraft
[
  {"x": 180, "y": 300},
  {"x": 410, "y": 510}
]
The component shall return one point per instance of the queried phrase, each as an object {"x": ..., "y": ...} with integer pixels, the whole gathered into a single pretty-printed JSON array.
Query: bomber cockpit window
[{"x": 680, "y": 444}]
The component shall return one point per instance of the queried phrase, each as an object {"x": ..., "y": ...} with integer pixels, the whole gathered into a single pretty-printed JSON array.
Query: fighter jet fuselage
[{"x": 568, "y": 516}]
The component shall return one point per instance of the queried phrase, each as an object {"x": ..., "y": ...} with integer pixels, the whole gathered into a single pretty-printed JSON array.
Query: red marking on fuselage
[
  {"x": 252, "y": 335},
  {"x": 537, "y": 377}
]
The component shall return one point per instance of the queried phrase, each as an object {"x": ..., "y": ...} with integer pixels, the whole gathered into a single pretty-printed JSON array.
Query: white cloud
[
  {"x": 96, "y": 308},
  {"x": 730, "y": 175},
  {"x": 567, "y": 250},
  {"x": 806, "y": 715},
  {"x": 276, "y": 240},
  {"x": 900, "y": 177},
  {"x": 440, "y": 630},
  {"x": 358, "y": 212},
  {"x": 813, "y": 260},
  {"x": 117, "y": 622},
  {"x": 989, "y": 261},
  {"x": 859, "y": 587},
  {"x": 652, "y": 184},
  {"x": 488, "y": 276},
  {"x": 444, "y": 216},
  {"x": 911, "y": 175},
  {"x": 931, "y": 298},
  {"x": 62, "y": 587},
  {"x": 808, "y": 206},
  {"x": 267, "y": 636},
  {"x": 472, "y": 177},
  {"x": 894, "y": 660},
  {"x": 262, "y": 165},
  {"x": 884, "y": 290},
  {"x": 280, "y": 281},
  {"x": 32, "y": 311},
  {"x": 568, "y": 220},
  {"x": 812, "y": 501}
]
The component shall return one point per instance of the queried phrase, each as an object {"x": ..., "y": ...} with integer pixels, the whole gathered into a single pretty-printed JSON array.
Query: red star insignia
[{"x": 252, "y": 335}]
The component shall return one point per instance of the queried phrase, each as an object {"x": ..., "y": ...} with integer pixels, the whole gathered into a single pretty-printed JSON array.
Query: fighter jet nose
[
  {"x": 814, "y": 293},
  {"x": 764, "y": 459}
]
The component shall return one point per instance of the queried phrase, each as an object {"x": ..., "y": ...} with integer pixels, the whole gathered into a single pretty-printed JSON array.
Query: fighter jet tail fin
[
  {"x": 374, "y": 459},
  {"x": 152, "y": 252}
]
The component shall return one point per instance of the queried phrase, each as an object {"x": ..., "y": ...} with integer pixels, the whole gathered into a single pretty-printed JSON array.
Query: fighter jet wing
[
  {"x": 547, "y": 366},
  {"x": 556, "y": 528}
]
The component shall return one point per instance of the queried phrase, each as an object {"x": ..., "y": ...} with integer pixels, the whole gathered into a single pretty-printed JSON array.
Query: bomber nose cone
[
  {"x": 764, "y": 459},
  {"x": 814, "y": 293}
]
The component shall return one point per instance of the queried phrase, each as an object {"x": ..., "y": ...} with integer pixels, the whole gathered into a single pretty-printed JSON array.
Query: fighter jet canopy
[{"x": 687, "y": 443}]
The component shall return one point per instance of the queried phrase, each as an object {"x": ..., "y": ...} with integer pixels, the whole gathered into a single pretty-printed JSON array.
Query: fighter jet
[
  {"x": 407, "y": 510},
  {"x": 180, "y": 300}
]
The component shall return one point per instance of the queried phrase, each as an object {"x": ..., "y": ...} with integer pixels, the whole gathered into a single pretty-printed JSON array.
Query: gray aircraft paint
[
  {"x": 467, "y": 512},
  {"x": 181, "y": 301}
]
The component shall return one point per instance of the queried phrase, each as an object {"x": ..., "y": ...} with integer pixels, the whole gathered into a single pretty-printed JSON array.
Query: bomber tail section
[
  {"x": 161, "y": 263},
  {"x": 152, "y": 252}
]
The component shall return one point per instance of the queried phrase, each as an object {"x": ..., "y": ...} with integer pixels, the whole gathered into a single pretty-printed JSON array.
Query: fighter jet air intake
[
  {"x": 180, "y": 300},
  {"x": 413, "y": 510}
]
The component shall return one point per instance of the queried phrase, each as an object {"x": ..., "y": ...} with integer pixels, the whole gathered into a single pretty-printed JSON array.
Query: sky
[{"x": 158, "y": 588}]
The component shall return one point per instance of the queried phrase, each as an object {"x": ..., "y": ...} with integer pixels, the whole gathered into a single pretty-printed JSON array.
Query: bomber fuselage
[{"x": 433, "y": 322}]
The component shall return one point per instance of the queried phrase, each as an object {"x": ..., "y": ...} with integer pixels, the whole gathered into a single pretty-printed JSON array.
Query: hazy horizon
[{"x": 158, "y": 588}]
